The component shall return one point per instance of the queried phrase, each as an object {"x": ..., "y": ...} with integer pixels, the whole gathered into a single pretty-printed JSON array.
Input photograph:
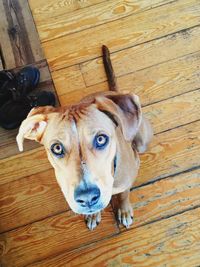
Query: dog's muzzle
[{"x": 88, "y": 199}]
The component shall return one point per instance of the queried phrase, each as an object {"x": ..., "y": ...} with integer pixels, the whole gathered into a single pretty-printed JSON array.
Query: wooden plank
[
  {"x": 22, "y": 165},
  {"x": 153, "y": 84},
  {"x": 170, "y": 153},
  {"x": 30, "y": 199},
  {"x": 56, "y": 8},
  {"x": 67, "y": 80},
  {"x": 59, "y": 25},
  {"x": 120, "y": 34},
  {"x": 144, "y": 55},
  {"x": 174, "y": 112},
  {"x": 35, "y": 197},
  {"x": 164, "y": 115},
  {"x": 51, "y": 236},
  {"x": 8, "y": 144},
  {"x": 5, "y": 43},
  {"x": 20, "y": 43},
  {"x": 171, "y": 242},
  {"x": 164, "y": 198}
]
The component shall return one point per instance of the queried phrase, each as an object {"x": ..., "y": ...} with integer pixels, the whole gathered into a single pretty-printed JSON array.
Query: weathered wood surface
[
  {"x": 149, "y": 54},
  {"x": 171, "y": 152},
  {"x": 171, "y": 242},
  {"x": 54, "y": 9},
  {"x": 19, "y": 40},
  {"x": 30, "y": 199},
  {"x": 154, "y": 55},
  {"x": 57, "y": 23},
  {"x": 51, "y": 236},
  {"x": 120, "y": 34}
]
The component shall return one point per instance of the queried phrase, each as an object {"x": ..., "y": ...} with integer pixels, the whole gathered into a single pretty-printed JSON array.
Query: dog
[{"x": 93, "y": 147}]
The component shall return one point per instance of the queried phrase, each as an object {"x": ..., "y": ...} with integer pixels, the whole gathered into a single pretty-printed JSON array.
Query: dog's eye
[
  {"x": 100, "y": 141},
  {"x": 58, "y": 150}
]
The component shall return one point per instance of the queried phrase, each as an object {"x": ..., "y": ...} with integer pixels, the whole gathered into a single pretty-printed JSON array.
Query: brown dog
[{"x": 93, "y": 147}]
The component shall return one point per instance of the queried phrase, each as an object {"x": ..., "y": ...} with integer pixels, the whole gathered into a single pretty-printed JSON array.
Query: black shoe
[
  {"x": 14, "y": 112},
  {"x": 14, "y": 86}
]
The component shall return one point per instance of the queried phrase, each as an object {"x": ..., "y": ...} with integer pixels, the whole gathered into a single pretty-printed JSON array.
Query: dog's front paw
[
  {"x": 93, "y": 220},
  {"x": 125, "y": 215}
]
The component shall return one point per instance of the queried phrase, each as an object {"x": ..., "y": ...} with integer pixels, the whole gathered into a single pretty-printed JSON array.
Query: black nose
[{"x": 87, "y": 197}]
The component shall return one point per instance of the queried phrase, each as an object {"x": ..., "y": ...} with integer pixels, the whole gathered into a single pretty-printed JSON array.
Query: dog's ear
[
  {"x": 33, "y": 126},
  {"x": 125, "y": 109}
]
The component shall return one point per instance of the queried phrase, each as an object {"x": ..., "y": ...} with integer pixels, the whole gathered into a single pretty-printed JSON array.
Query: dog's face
[{"x": 81, "y": 144}]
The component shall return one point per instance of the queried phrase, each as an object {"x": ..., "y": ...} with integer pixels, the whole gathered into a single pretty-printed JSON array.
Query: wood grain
[
  {"x": 171, "y": 242},
  {"x": 144, "y": 55},
  {"x": 164, "y": 198},
  {"x": 22, "y": 165},
  {"x": 59, "y": 25},
  {"x": 20, "y": 43},
  {"x": 152, "y": 84},
  {"x": 174, "y": 112},
  {"x": 51, "y": 236},
  {"x": 171, "y": 152},
  {"x": 120, "y": 34},
  {"x": 56, "y": 8},
  {"x": 69, "y": 80},
  {"x": 30, "y": 199}
]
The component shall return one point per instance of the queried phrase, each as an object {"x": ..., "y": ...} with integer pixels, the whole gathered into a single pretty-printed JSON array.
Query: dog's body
[{"x": 93, "y": 147}]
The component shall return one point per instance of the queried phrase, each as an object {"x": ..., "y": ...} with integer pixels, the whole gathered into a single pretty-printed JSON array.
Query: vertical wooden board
[
  {"x": 33, "y": 36},
  {"x": 59, "y": 25},
  {"x": 20, "y": 43},
  {"x": 171, "y": 242},
  {"x": 144, "y": 55},
  {"x": 52, "y": 236},
  {"x": 120, "y": 34},
  {"x": 5, "y": 43}
]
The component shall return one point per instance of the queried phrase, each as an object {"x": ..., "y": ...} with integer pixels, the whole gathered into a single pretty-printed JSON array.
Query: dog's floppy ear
[
  {"x": 33, "y": 126},
  {"x": 125, "y": 109}
]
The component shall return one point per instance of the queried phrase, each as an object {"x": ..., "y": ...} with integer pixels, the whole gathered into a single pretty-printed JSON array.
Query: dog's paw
[
  {"x": 125, "y": 216},
  {"x": 93, "y": 220}
]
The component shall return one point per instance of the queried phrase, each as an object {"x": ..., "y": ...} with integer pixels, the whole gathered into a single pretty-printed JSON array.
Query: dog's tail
[{"x": 112, "y": 81}]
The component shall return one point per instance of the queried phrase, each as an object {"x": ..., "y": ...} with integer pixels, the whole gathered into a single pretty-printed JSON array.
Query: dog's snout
[{"x": 87, "y": 197}]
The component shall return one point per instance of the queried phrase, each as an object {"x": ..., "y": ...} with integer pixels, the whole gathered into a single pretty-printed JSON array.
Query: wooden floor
[{"x": 155, "y": 49}]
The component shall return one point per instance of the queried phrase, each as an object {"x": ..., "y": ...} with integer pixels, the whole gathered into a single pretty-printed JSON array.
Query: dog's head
[{"x": 81, "y": 144}]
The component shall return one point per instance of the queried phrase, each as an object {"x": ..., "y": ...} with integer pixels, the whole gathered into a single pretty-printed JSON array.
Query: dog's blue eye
[
  {"x": 100, "y": 141},
  {"x": 58, "y": 150}
]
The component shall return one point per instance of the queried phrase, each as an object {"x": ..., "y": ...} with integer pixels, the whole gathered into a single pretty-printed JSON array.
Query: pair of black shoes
[{"x": 15, "y": 101}]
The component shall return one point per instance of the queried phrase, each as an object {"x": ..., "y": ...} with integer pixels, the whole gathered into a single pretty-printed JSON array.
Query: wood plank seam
[
  {"x": 141, "y": 69},
  {"x": 128, "y": 47},
  {"x": 163, "y": 218},
  {"x": 162, "y": 178},
  {"x": 125, "y": 16}
]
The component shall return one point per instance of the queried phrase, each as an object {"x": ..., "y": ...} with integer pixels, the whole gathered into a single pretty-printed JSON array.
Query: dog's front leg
[
  {"x": 93, "y": 220},
  {"x": 124, "y": 209}
]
